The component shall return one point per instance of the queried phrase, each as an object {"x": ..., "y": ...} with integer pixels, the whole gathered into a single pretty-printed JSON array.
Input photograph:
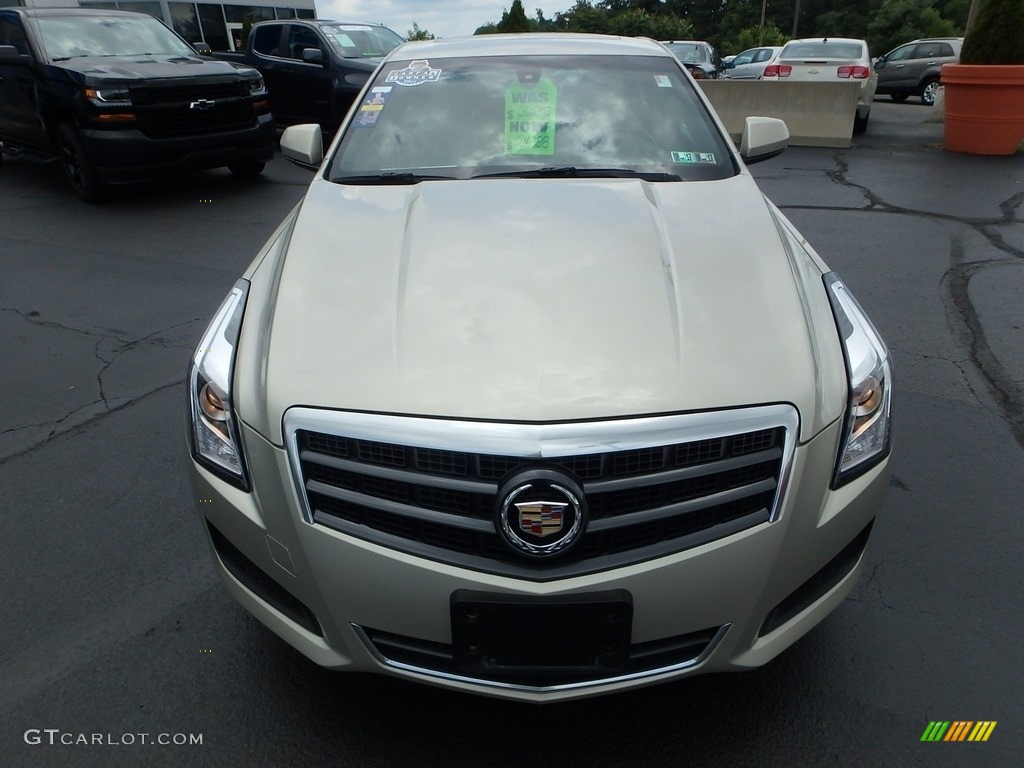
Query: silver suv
[{"x": 913, "y": 69}]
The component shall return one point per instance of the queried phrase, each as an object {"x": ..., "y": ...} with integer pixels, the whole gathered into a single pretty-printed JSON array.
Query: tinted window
[
  {"x": 266, "y": 40},
  {"x": 11, "y": 33},
  {"x": 498, "y": 114},
  {"x": 215, "y": 31},
  {"x": 185, "y": 21},
  {"x": 299, "y": 39}
]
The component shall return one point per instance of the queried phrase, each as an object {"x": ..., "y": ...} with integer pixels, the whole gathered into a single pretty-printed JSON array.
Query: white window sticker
[
  {"x": 693, "y": 158},
  {"x": 417, "y": 73},
  {"x": 663, "y": 81}
]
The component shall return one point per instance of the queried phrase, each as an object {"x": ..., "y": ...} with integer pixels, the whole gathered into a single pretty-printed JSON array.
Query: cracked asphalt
[{"x": 114, "y": 623}]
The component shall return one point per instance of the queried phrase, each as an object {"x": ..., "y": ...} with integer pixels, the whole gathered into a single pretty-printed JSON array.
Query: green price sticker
[{"x": 530, "y": 118}]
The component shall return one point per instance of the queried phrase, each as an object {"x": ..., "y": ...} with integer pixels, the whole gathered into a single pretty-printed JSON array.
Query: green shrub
[{"x": 997, "y": 36}]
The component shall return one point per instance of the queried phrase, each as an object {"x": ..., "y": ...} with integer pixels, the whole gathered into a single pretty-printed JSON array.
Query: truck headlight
[
  {"x": 866, "y": 428},
  {"x": 115, "y": 96},
  {"x": 257, "y": 86},
  {"x": 215, "y": 440}
]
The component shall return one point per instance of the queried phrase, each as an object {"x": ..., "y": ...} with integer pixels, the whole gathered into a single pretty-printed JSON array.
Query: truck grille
[
  {"x": 165, "y": 110},
  {"x": 646, "y": 501}
]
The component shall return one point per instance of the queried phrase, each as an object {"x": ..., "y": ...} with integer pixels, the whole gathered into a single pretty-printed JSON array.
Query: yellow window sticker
[
  {"x": 530, "y": 118},
  {"x": 372, "y": 105}
]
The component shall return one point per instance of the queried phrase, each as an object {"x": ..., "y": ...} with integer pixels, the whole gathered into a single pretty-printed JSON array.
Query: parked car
[
  {"x": 314, "y": 67},
  {"x": 913, "y": 69},
  {"x": 750, "y": 64},
  {"x": 829, "y": 59},
  {"x": 117, "y": 96},
  {"x": 508, "y": 404},
  {"x": 697, "y": 56}
]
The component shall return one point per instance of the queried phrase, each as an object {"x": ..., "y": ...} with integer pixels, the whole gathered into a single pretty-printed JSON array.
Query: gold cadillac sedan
[{"x": 535, "y": 395}]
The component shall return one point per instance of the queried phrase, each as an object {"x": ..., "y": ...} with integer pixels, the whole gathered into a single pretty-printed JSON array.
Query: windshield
[
  {"x": 66, "y": 38},
  {"x": 520, "y": 115},
  {"x": 353, "y": 41},
  {"x": 689, "y": 52}
]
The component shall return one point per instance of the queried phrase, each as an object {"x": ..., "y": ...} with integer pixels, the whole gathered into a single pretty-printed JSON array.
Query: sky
[{"x": 443, "y": 18}]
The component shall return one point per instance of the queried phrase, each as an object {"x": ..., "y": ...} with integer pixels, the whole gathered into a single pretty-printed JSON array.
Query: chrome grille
[{"x": 654, "y": 486}]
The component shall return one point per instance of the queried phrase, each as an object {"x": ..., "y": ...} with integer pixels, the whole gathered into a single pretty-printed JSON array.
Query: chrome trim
[
  {"x": 449, "y": 677},
  {"x": 541, "y": 441}
]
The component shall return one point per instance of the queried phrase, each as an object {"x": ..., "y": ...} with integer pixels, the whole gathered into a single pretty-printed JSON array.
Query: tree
[
  {"x": 418, "y": 34},
  {"x": 514, "y": 19},
  {"x": 898, "y": 21}
]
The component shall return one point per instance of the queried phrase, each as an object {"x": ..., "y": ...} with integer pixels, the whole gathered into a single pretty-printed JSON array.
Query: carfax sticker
[
  {"x": 417, "y": 73},
  {"x": 372, "y": 105},
  {"x": 693, "y": 158},
  {"x": 530, "y": 118}
]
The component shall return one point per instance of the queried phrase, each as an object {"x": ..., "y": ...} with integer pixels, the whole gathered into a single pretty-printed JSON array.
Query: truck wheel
[
  {"x": 928, "y": 92},
  {"x": 77, "y": 165},
  {"x": 246, "y": 170}
]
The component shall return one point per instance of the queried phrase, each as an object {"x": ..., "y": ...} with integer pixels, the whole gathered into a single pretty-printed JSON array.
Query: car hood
[
  {"x": 531, "y": 300},
  {"x": 145, "y": 67}
]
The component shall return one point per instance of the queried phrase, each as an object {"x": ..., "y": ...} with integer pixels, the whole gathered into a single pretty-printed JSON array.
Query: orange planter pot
[{"x": 984, "y": 108}]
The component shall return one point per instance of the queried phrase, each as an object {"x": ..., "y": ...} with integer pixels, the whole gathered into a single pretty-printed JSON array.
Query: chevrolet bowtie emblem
[
  {"x": 541, "y": 518},
  {"x": 201, "y": 104}
]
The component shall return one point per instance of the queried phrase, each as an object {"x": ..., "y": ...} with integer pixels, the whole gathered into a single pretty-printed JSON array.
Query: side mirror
[
  {"x": 763, "y": 138},
  {"x": 313, "y": 56},
  {"x": 880, "y": 62},
  {"x": 729, "y": 64},
  {"x": 9, "y": 55},
  {"x": 203, "y": 49},
  {"x": 303, "y": 145}
]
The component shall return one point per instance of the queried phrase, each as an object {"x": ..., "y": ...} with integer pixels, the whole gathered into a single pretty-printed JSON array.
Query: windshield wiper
[
  {"x": 572, "y": 172},
  {"x": 389, "y": 177}
]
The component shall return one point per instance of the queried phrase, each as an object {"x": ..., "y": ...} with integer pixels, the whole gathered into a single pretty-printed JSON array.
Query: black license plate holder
[{"x": 585, "y": 635}]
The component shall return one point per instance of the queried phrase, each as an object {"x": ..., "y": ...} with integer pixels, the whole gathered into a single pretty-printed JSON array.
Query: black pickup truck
[
  {"x": 314, "y": 68},
  {"x": 117, "y": 97}
]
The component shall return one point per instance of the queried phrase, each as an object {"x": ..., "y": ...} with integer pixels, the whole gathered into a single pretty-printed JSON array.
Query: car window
[
  {"x": 66, "y": 37},
  {"x": 266, "y": 40},
  {"x": 745, "y": 58},
  {"x": 299, "y": 39},
  {"x": 359, "y": 41},
  {"x": 689, "y": 52},
  {"x": 471, "y": 116},
  {"x": 11, "y": 33},
  {"x": 823, "y": 51},
  {"x": 763, "y": 55},
  {"x": 945, "y": 49},
  {"x": 902, "y": 53},
  {"x": 927, "y": 51}
]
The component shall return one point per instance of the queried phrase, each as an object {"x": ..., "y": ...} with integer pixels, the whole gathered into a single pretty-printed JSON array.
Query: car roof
[{"x": 529, "y": 44}]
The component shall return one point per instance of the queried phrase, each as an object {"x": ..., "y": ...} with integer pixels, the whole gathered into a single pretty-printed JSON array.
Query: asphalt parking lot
[{"x": 115, "y": 623}]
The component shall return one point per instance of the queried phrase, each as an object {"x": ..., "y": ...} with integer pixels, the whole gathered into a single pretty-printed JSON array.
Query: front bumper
[
  {"x": 129, "y": 155},
  {"x": 728, "y": 604}
]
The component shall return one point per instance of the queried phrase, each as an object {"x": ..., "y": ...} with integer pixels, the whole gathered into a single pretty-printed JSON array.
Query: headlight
[
  {"x": 215, "y": 441},
  {"x": 256, "y": 86},
  {"x": 866, "y": 430},
  {"x": 112, "y": 96}
]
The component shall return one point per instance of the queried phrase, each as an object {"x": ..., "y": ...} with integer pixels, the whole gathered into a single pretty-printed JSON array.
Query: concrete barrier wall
[{"x": 817, "y": 114}]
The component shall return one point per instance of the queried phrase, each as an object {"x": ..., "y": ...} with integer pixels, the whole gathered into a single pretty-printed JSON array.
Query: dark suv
[{"x": 913, "y": 69}]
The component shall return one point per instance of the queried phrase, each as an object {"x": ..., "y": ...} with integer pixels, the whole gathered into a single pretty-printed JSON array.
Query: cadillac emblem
[{"x": 540, "y": 513}]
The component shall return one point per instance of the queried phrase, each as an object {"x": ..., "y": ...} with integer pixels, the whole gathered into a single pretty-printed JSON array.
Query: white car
[
  {"x": 751, "y": 63},
  {"x": 511, "y": 403},
  {"x": 829, "y": 59}
]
